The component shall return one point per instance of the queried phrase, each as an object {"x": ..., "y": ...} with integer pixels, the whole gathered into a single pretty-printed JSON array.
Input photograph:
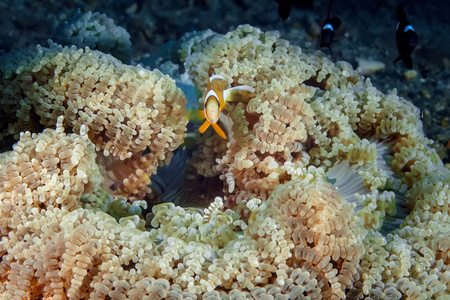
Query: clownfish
[
  {"x": 406, "y": 38},
  {"x": 328, "y": 28},
  {"x": 215, "y": 99}
]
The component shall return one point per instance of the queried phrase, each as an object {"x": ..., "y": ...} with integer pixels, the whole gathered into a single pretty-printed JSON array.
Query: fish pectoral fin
[
  {"x": 195, "y": 115},
  {"x": 204, "y": 127},
  {"x": 219, "y": 130},
  {"x": 241, "y": 93},
  {"x": 336, "y": 22}
]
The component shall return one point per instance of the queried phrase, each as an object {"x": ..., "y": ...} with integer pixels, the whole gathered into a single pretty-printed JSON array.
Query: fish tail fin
[
  {"x": 195, "y": 115},
  {"x": 329, "y": 7},
  {"x": 219, "y": 131},
  {"x": 204, "y": 127},
  {"x": 401, "y": 15}
]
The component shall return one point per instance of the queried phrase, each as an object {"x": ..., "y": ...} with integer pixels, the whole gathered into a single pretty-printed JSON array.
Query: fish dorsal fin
[
  {"x": 218, "y": 83},
  {"x": 208, "y": 82}
]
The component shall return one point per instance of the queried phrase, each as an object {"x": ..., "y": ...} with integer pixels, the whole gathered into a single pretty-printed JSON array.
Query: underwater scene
[{"x": 213, "y": 149}]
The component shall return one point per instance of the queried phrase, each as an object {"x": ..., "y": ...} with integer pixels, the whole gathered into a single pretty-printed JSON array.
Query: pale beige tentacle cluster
[
  {"x": 127, "y": 109},
  {"x": 327, "y": 237}
]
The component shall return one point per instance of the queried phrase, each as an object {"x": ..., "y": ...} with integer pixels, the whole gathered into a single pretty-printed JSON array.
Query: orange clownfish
[{"x": 216, "y": 96}]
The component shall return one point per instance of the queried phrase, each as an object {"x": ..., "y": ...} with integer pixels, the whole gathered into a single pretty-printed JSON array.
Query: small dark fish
[
  {"x": 328, "y": 28},
  {"x": 406, "y": 38},
  {"x": 284, "y": 6}
]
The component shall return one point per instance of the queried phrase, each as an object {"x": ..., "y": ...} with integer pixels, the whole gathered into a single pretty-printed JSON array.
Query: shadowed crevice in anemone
[
  {"x": 381, "y": 207},
  {"x": 169, "y": 185},
  {"x": 393, "y": 222}
]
